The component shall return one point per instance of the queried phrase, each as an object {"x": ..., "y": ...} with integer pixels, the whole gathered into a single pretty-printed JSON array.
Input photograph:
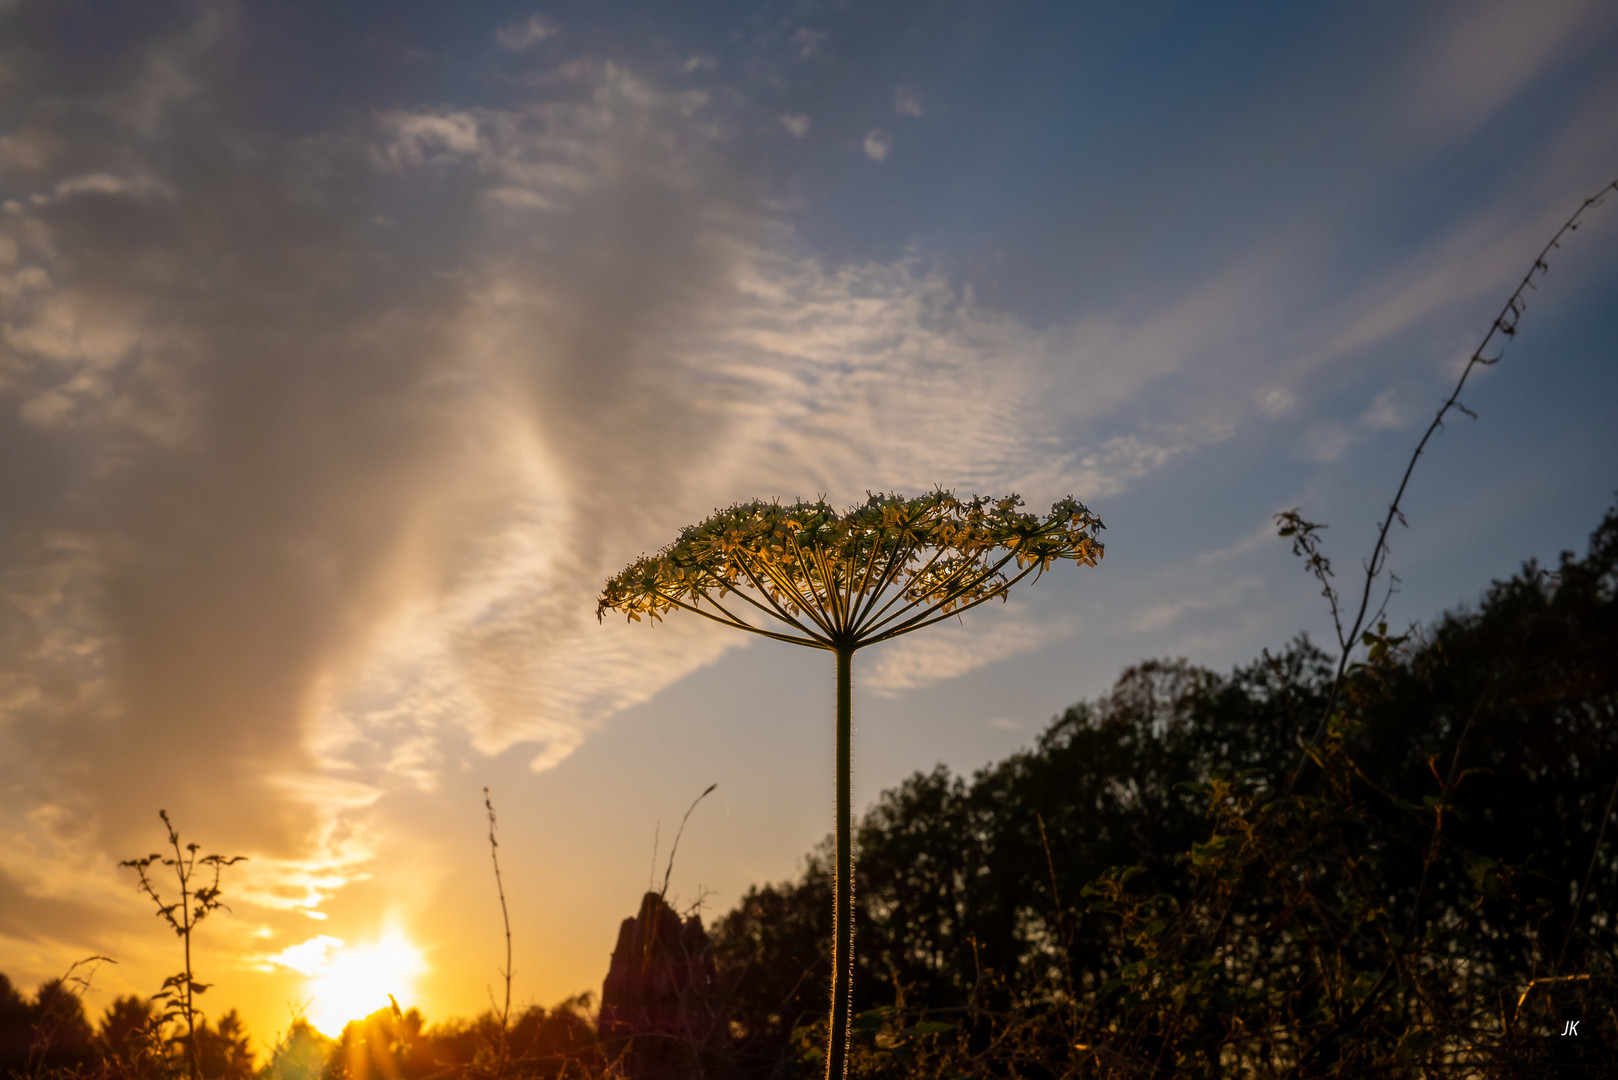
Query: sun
[{"x": 354, "y": 981}]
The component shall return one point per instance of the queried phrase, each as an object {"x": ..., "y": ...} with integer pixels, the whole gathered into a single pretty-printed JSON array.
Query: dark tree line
[{"x": 51, "y": 1034}]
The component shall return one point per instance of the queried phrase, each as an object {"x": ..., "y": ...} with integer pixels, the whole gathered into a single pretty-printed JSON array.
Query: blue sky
[{"x": 345, "y": 349}]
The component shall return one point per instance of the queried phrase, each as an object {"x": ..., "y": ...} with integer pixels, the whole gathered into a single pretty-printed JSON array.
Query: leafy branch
[{"x": 196, "y": 902}]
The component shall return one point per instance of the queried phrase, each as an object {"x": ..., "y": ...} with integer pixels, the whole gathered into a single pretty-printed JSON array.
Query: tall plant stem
[
  {"x": 505, "y": 918},
  {"x": 180, "y": 991},
  {"x": 183, "y": 871},
  {"x": 842, "y": 960}
]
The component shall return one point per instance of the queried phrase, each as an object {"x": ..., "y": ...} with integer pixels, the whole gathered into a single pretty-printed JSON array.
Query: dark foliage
[
  {"x": 394, "y": 1045},
  {"x": 126, "y": 1041},
  {"x": 48, "y": 1034},
  {"x": 1141, "y": 885},
  {"x": 16, "y": 1029},
  {"x": 224, "y": 1049}
]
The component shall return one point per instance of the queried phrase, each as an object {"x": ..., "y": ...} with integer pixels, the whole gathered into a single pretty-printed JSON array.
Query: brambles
[
  {"x": 841, "y": 581},
  {"x": 177, "y": 998}
]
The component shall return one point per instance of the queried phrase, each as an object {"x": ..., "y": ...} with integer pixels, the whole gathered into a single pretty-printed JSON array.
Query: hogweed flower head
[{"x": 803, "y": 572}]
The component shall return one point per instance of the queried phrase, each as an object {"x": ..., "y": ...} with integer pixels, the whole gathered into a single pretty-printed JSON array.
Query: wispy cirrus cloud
[
  {"x": 796, "y": 124},
  {"x": 326, "y": 514},
  {"x": 524, "y": 35},
  {"x": 953, "y": 649}
]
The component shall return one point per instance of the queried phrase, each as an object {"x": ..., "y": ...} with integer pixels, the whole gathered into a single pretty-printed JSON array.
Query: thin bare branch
[
  {"x": 1505, "y": 324},
  {"x": 675, "y": 847}
]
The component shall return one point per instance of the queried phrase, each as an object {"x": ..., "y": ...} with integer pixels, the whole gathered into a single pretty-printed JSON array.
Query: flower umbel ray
[{"x": 806, "y": 574}]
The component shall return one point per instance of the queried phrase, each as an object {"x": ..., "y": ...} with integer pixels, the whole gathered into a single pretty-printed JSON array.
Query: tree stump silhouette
[{"x": 659, "y": 1010}]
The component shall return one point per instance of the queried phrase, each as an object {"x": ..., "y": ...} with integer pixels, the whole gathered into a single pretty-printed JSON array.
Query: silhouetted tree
[
  {"x": 51, "y": 1032},
  {"x": 555, "y": 1042},
  {"x": 395, "y": 1044},
  {"x": 224, "y": 1050},
  {"x": 301, "y": 1054},
  {"x": 16, "y": 1029},
  {"x": 128, "y": 1040}
]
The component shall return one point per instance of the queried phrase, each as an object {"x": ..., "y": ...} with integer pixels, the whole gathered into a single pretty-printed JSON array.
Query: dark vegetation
[{"x": 1137, "y": 894}]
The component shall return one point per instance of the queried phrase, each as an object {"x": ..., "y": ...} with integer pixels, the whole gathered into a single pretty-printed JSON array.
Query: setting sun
[{"x": 350, "y": 982}]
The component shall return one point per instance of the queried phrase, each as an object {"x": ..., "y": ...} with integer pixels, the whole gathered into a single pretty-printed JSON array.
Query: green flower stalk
[{"x": 805, "y": 574}]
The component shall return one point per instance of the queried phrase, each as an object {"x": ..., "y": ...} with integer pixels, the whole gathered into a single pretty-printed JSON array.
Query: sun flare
[{"x": 351, "y": 982}]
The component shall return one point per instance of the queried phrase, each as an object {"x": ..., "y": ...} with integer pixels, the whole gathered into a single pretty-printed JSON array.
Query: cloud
[
  {"x": 307, "y": 957},
  {"x": 519, "y": 37},
  {"x": 797, "y": 124},
  {"x": 314, "y": 524},
  {"x": 952, "y": 649},
  {"x": 906, "y": 101},
  {"x": 1264, "y": 535},
  {"x": 877, "y": 144},
  {"x": 415, "y": 139},
  {"x": 1384, "y": 414},
  {"x": 1325, "y": 441},
  {"x": 833, "y": 371},
  {"x": 29, "y": 917},
  {"x": 1276, "y": 401},
  {"x": 25, "y": 153},
  {"x": 1108, "y": 469},
  {"x": 1225, "y": 595},
  {"x": 807, "y": 42},
  {"x": 1483, "y": 60},
  {"x": 107, "y": 184}
]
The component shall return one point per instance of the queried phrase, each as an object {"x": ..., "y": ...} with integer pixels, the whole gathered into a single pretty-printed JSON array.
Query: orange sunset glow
[{"x": 349, "y": 982}]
